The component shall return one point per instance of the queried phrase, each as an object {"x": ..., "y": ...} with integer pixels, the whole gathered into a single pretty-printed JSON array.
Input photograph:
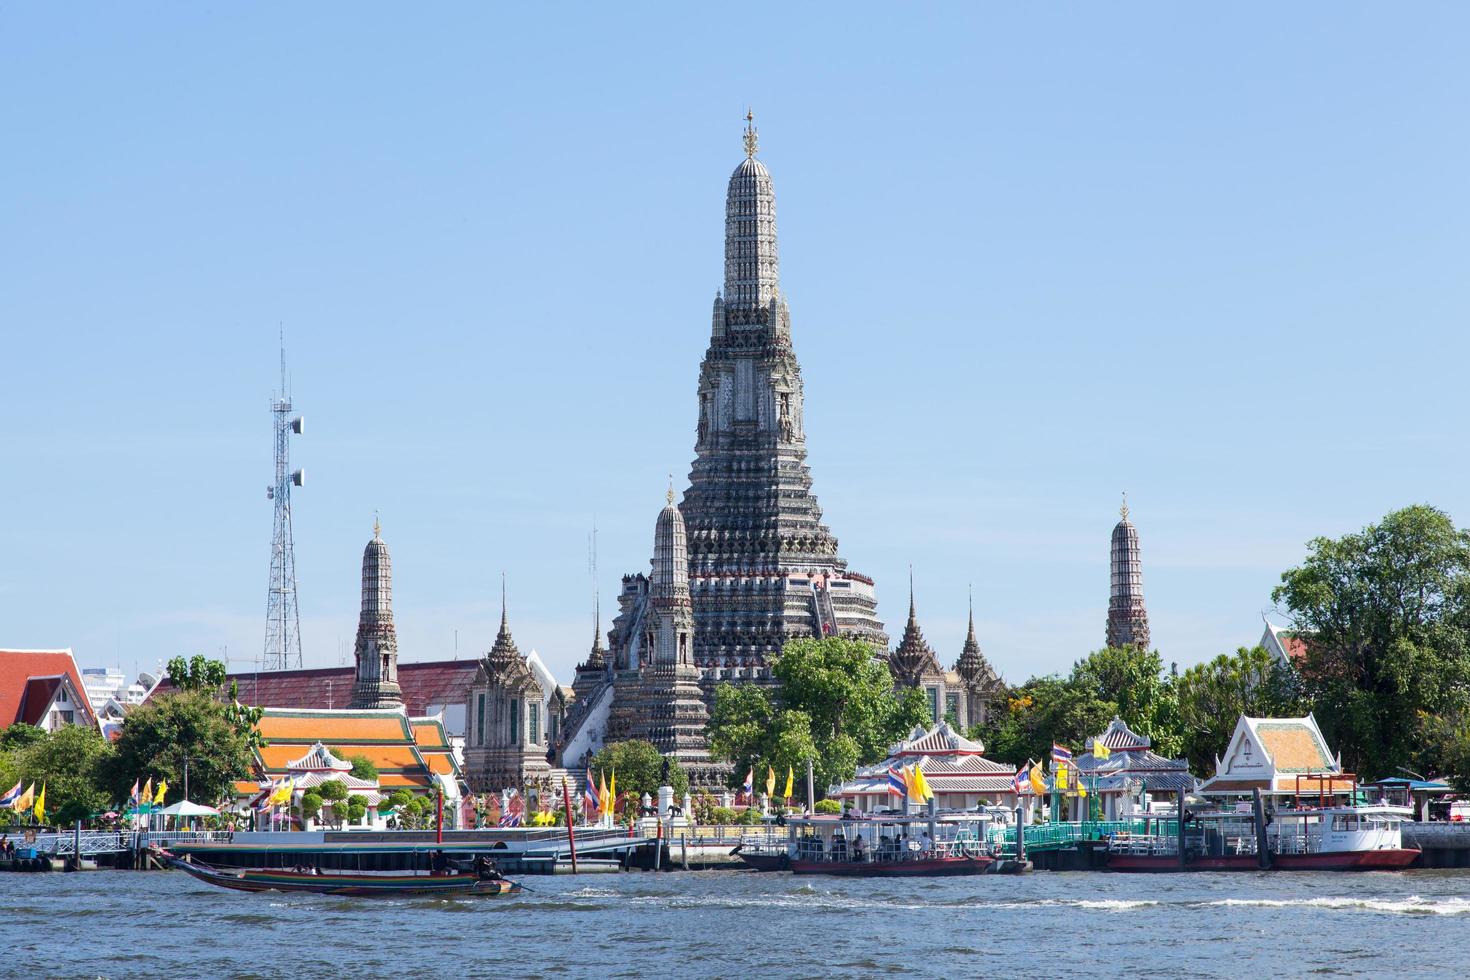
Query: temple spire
[
  {"x": 1127, "y": 615},
  {"x": 375, "y": 650},
  {"x": 752, "y": 136}
]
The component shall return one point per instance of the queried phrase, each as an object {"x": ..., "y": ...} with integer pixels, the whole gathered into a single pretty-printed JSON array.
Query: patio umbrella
[{"x": 184, "y": 808}]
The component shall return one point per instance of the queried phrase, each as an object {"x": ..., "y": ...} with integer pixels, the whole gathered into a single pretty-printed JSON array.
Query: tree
[
  {"x": 68, "y": 762},
  {"x": 1042, "y": 712},
  {"x": 1386, "y": 612},
  {"x": 334, "y": 793},
  {"x": 356, "y": 810},
  {"x": 159, "y": 735},
  {"x": 311, "y": 804},
  {"x": 362, "y": 767},
  {"x": 1212, "y": 695},
  {"x": 20, "y": 735},
  {"x": 199, "y": 673},
  {"x": 640, "y": 768},
  {"x": 1133, "y": 679},
  {"x": 836, "y": 707}
]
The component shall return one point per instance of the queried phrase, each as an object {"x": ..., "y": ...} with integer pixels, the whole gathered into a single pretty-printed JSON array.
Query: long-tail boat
[{"x": 448, "y": 883}]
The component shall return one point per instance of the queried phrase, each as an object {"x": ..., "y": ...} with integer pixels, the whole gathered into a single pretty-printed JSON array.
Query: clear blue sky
[{"x": 1035, "y": 255}]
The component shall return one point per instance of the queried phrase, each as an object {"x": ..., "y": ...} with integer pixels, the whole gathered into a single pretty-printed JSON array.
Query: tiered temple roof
[
  {"x": 1276, "y": 756},
  {"x": 1131, "y": 765},
  {"x": 954, "y": 766},
  {"x": 1127, "y": 616},
  {"x": 385, "y": 736}
]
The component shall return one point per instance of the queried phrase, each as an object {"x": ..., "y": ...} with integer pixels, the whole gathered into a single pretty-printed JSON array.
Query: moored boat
[
  {"x": 449, "y": 883},
  {"x": 890, "y": 846},
  {"x": 1327, "y": 838}
]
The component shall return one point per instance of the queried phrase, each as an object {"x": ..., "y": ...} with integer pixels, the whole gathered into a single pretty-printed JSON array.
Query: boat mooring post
[
  {"x": 76, "y": 845},
  {"x": 439, "y": 818},
  {"x": 1020, "y": 837},
  {"x": 811, "y": 795},
  {"x": 566, "y": 796},
  {"x": 1179, "y": 827},
  {"x": 1263, "y": 847}
]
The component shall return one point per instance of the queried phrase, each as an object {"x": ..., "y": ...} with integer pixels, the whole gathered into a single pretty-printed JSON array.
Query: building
[
  {"x": 42, "y": 688},
  {"x": 648, "y": 686},
  {"x": 763, "y": 568},
  {"x": 409, "y": 753},
  {"x": 1286, "y": 646},
  {"x": 1127, "y": 617},
  {"x": 308, "y": 773},
  {"x": 1130, "y": 773},
  {"x": 375, "y": 650},
  {"x": 963, "y": 696},
  {"x": 955, "y": 768},
  {"x": 508, "y": 705},
  {"x": 1281, "y": 757}
]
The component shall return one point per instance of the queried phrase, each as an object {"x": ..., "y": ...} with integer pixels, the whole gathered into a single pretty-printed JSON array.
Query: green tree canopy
[
  {"x": 198, "y": 673},
  {"x": 20, "y": 735},
  {"x": 69, "y": 763},
  {"x": 362, "y": 767},
  {"x": 1212, "y": 695},
  {"x": 640, "y": 768},
  {"x": 160, "y": 734},
  {"x": 836, "y": 707},
  {"x": 1386, "y": 612}
]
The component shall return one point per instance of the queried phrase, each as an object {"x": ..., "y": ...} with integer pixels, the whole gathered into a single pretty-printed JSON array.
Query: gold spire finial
[
  {"x": 1123, "y": 511},
  {"x": 752, "y": 136},
  {"x": 670, "y": 494},
  {"x": 377, "y": 528}
]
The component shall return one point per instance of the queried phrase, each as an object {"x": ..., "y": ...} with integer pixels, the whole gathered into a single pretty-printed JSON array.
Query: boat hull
[
  {"x": 1377, "y": 860},
  {"x": 933, "y": 868},
  {"x": 346, "y": 884},
  {"x": 765, "y": 862}
]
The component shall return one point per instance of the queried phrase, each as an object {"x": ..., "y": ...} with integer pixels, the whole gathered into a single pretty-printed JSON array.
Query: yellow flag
[
  {"x": 26, "y": 801},
  {"x": 1038, "y": 781},
  {"x": 162, "y": 789},
  {"x": 1099, "y": 750},
  {"x": 921, "y": 785},
  {"x": 790, "y": 782},
  {"x": 147, "y": 796},
  {"x": 41, "y": 805},
  {"x": 612, "y": 793},
  {"x": 602, "y": 795},
  {"x": 1060, "y": 777},
  {"x": 770, "y": 780}
]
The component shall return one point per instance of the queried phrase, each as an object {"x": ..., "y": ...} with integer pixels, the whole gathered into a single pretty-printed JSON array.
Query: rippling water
[{"x": 729, "y": 924}]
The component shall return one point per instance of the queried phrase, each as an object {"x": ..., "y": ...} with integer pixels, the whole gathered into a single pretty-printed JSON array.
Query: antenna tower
[{"x": 282, "y": 621}]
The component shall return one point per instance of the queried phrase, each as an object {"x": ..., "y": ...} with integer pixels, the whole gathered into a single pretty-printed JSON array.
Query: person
[
  {"x": 440, "y": 864},
  {"x": 857, "y": 848},
  {"x": 486, "y": 870}
]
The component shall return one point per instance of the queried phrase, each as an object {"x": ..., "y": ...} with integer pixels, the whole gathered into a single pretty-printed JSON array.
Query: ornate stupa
[
  {"x": 507, "y": 716},
  {"x": 982, "y": 686},
  {"x": 914, "y": 661},
  {"x": 1127, "y": 617},
  {"x": 375, "y": 685},
  {"x": 763, "y": 567}
]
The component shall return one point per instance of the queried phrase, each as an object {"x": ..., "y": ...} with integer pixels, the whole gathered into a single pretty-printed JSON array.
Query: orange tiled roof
[
  {"x": 275, "y": 758},
  {"x": 22, "y": 701},
  {"x": 334, "y": 727},
  {"x": 1293, "y": 747},
  {"x": 429, "y": 734}
]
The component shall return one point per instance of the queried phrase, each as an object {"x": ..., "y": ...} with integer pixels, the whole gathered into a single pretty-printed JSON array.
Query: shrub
[
  {"x": 311, "y": 805},
  {"x": 828, "y": 806},
  {"x": 721, "y": 815}
]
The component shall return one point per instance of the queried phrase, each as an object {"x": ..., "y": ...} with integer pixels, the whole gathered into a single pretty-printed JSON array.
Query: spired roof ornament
[
  {"x": 504, "y": 665},
  {"x": 972, "y": 666},
  {"x": 319, "y": 758},
  {"x": 752, "y": 135},
  {"x": 914, "y": 658}
]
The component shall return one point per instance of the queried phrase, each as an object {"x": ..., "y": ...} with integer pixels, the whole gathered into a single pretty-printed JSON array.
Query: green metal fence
[{"x": 1059, "y": 834}]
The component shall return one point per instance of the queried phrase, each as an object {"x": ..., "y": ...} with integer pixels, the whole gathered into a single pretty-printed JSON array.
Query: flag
[
  {"x": 41, "y": 805},
  {"x": 921, "y": 785},
  {"x": 790, "y": 781},
  {"x": 1016, "y": 782},
  {"x": 604, "y": 802},
  {"x": 611, "y": 800},
  {"x": 1060, "y": 754},
  {"x": 26, "y": 800},
  {"x": 896, "y": 784},
  {"x": 590, "y": 802},
  {"x": 770, "y": 780},
  {"x": 133, "y": 794},
  {"x": 1099, "y": 750},
  {"x": 1059, "y": 777},
  {"x": 8, "y": 800},
  {"x": 147, "y": 796},
  {"x": 749, "y": 786},
  {"x": 162, "y": 789},
  {"x": 1038, "y": 782}
]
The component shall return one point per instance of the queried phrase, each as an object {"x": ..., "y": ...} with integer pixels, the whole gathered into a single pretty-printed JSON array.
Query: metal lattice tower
[{"x": 282, "y": 621}]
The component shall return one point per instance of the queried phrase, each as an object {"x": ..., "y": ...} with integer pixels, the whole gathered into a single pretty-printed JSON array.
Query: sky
[{"x": 1036, "y": 256}]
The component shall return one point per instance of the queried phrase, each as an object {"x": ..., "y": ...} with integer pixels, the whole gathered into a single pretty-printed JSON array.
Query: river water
[{"x": 740, "y": 924}]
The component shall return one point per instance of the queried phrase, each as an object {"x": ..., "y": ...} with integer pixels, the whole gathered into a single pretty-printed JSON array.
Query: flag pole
[{"x": 566, "y": 796}]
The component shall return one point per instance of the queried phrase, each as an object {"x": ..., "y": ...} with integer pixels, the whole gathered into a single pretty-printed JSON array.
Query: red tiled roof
[
  {"x": 23, "y": 700},
  {"x": 434, "y": 682}
]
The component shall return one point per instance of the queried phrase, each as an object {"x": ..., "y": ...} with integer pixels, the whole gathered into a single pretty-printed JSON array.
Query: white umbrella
[{"x": 184, "y": 808}]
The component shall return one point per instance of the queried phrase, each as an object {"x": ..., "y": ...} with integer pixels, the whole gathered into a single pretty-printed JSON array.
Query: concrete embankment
[{"x": 1445, "y": 845}]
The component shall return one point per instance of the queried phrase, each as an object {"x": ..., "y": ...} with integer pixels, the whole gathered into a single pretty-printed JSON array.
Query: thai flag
[
  {"x": 132, "y": 795},
  {"x": 749, "y": 786},
  {"x": 9, "y": 798},
  {"x": 1016, "y": 782},
  {"x": 895, "y": 782},
  {"x": 1060, "y": 754}
]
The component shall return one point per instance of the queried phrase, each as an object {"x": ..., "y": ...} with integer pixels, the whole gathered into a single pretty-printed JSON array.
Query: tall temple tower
[
  {"x": 1127, "y": 617},
  {"x": 376, "y": 649},
  {"x": 763, "y": 567}
]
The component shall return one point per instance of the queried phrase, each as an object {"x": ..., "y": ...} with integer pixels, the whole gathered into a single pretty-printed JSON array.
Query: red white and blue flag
[
  {"x": 749, "y": 786},
  {"x": 132, "y": 795},
  {"x": 10, "y": 797},
  {"x": 590, "y": 803},
  {"x": 1060, "y": 754},
  {"x": 895, "y": 782},
  {"x": 1016, "y": 781}
]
